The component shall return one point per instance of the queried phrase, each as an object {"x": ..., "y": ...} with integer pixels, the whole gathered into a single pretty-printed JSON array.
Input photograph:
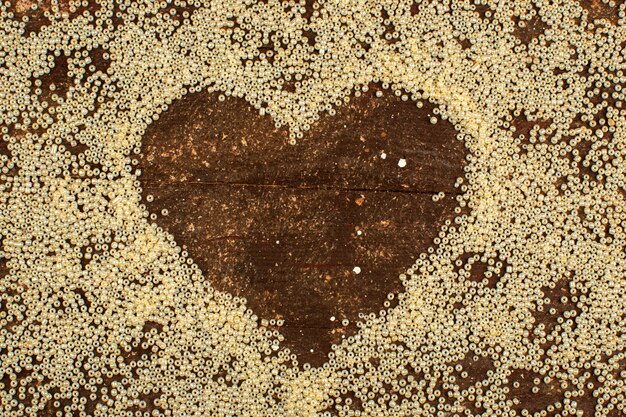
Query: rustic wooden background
[{"x": 285, "y": 225}]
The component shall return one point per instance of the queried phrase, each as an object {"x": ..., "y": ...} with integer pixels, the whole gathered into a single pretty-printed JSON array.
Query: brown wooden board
[
  {"x": 278, "y": 223},
  {"x": 285, "y": 225}
]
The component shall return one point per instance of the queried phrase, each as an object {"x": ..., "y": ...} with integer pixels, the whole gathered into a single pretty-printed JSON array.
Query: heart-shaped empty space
[{"x": 313, "y": 233}]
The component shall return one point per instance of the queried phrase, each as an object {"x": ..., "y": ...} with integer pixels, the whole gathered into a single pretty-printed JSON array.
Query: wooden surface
[
  {"x": 279, "y": 224},
  {"x": 285, "y": 225}
]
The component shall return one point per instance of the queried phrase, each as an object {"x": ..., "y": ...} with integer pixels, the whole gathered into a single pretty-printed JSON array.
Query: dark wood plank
[
  {"x": 285, "y": 226},
  {"x": 233, "y": 187},
  {"x": 200, "y": 139}
]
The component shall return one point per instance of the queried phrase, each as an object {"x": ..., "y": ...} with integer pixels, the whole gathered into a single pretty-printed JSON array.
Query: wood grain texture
[
  {"x": 234, "y": 188},
  {"x": 285, "y": 225}
]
